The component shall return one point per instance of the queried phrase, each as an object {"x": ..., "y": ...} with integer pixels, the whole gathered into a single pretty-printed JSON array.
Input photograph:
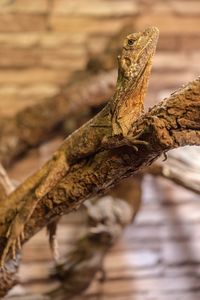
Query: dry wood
[
  {"x": 87, "y": 255},
  {"x": 159, "y": 115},
  {"x": 78, "y": 268},
  {"x": 165, "y": 127}
]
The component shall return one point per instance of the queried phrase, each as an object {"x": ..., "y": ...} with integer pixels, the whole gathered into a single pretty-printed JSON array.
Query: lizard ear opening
[{"x": 126, "y": 66}]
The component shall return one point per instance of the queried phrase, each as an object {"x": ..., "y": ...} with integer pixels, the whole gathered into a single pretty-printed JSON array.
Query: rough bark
[
  {"x": 87, "y": 255},
  {"x": 173, "y": 123}
]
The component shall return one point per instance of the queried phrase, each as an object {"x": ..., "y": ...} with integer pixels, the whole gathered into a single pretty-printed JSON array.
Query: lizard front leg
[
  {"x": 119, "y": 140},
  {"x": 133, "y": 141}
]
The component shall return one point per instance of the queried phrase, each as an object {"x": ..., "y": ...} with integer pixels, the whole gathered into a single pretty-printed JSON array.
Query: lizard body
[{"x": 115, "y": 119}]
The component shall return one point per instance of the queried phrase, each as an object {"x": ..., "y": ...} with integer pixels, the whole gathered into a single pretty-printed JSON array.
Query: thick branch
[{"x": 173, "y": 123}]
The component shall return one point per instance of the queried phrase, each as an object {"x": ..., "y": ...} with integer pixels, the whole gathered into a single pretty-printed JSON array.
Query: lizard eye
[{"x": 130, "y": 42}]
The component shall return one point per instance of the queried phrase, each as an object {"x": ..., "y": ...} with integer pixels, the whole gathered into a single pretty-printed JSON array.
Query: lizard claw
[
  {"x": 15, "y": 235},
  {"x": 136, "y": 141}
]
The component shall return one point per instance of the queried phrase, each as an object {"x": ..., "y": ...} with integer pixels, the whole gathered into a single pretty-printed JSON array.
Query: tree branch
[{"x": 173, "y": 123}]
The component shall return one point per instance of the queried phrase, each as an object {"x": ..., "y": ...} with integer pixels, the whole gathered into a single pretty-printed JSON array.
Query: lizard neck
[
  {"x": 135, "y": 64},
  {"x": 128, "y": 102}
]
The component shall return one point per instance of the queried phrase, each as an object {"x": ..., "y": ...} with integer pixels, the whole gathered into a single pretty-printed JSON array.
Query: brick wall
[{"x": 43, "y": 41}]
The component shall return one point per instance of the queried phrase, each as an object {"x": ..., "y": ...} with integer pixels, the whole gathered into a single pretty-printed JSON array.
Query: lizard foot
[
  {"x": 15, "y": 235},
  {"x": 134, "y": 141}
]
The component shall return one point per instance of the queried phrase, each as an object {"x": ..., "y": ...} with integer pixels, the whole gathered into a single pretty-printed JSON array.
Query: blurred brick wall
[{"x": 43, "y": 41}]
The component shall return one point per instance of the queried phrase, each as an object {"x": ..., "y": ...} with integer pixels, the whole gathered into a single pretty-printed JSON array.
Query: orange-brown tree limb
[{"x": 173, "y": 123}]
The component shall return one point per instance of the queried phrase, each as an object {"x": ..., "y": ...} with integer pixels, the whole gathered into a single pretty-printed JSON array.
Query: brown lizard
[{"x": 115, "y": 119}]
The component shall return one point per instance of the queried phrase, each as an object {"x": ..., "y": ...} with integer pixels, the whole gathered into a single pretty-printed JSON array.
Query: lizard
[{"x": 123, "y": 109}]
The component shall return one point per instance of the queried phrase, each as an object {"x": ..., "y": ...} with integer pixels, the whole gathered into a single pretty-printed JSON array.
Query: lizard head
[
  {"x": 134, "y": 69},
  {"x": 137, "y": 53}
]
